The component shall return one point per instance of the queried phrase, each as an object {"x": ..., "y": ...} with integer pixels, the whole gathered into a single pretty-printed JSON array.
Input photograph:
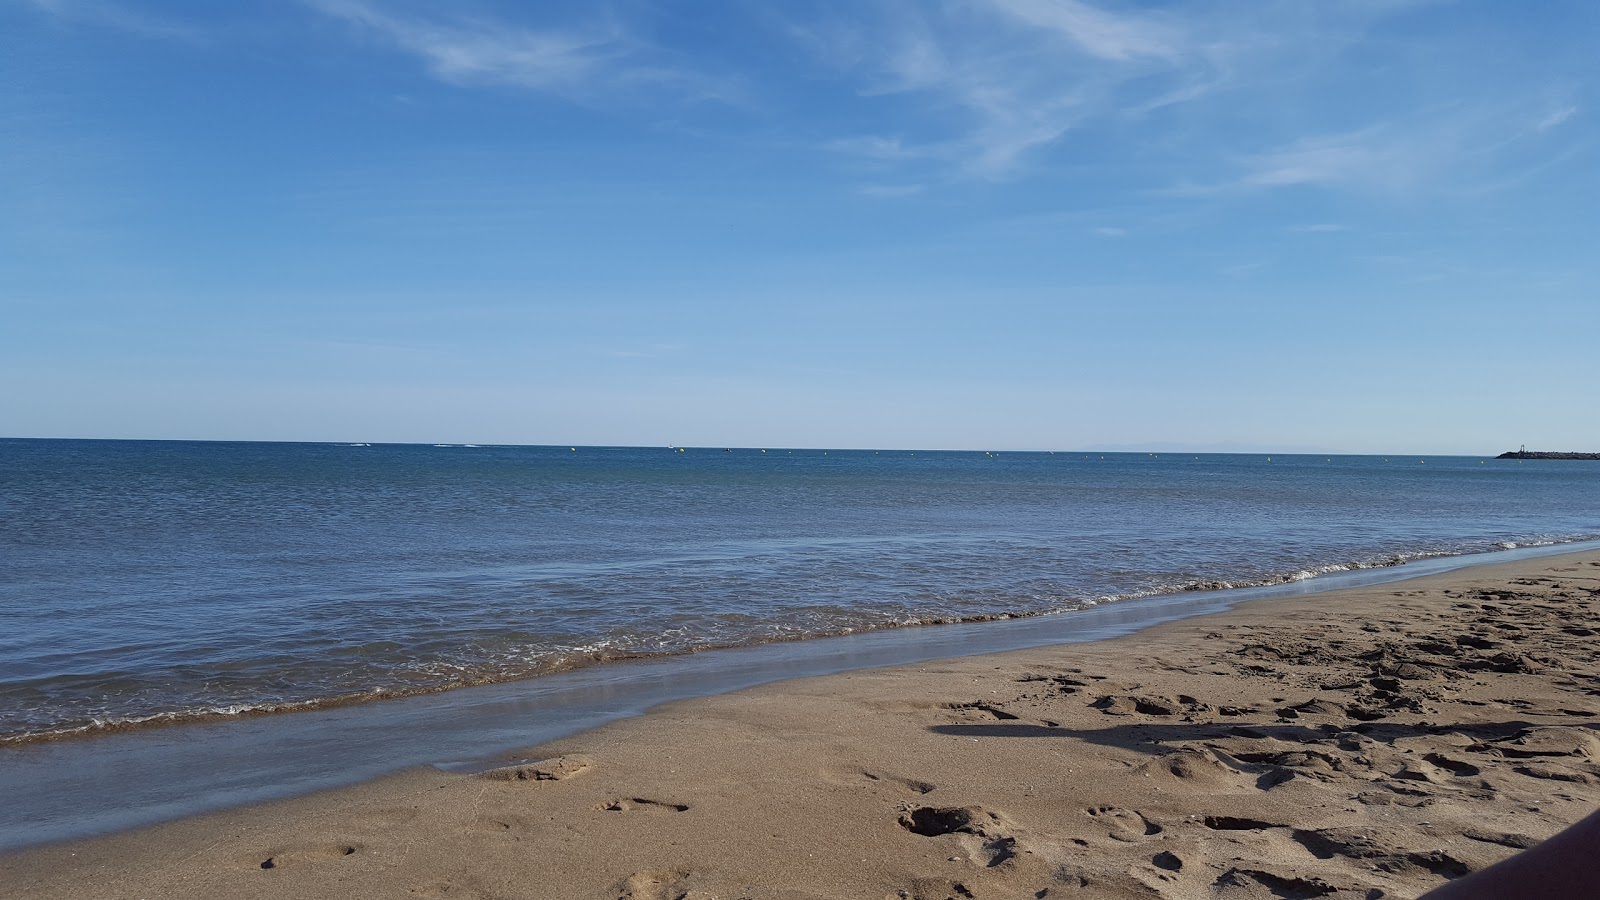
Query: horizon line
[{"x": 754, "y": 447}]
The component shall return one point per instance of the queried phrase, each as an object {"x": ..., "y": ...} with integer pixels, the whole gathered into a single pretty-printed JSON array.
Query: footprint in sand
[
  {"x": 645, "y": 804},
  {"x": 559, "y": 768},
  {"x": 1056, "y": 684},
  {"x": 988, "y": 837},
  {"x": 1393, "y": 797},
  {"x": 872, "y": 779},
  {"x": 980, "y": 711},
  {"x": 307, "y": 854},
  {"x": 1501, "y": 838},
  {"x": 1201, "y": 768},
  {"x": 1456, "y": 767},
  {"x": 505, "y": 825},
  {"x": 913, "y": 785},
  {"x": 935, "y": 889},
  {"x": 1136, "y": 704},
  {"x": 1551, "y": 772},
  {"x": 1553, "y": 742},
  {"x": 1380, "y": 848},
  {"x": 1236, "y": 823},
  {"x": 666, "y": 884},
  {"x": 1123, "y": 705},
  {"x": 1124, "y": 825},
  {"x": 1237, "y": 882}
]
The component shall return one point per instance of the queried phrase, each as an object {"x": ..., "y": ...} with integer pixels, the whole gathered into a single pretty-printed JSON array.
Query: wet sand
[{"x": 1372, "y": 742}]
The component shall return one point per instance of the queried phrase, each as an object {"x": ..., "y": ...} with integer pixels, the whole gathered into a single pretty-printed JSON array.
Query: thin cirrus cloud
[
  {"x": 598, "y": 58},
  {"x": 113, "y": 15},
  {"x": 1556, "y": 117},
  {"x": 1460, "y": 148},
  {"x": 998, "y": 89},
  {"x": 1358, "y": 157},
  {"x": 1194, "y": 100},
  {"x": 1097, "y": 32},
  {"x": 1003, "y": 78}
]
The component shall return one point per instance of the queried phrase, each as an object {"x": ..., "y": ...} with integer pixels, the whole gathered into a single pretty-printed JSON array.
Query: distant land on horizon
[{"x": 1545, "y": 454}]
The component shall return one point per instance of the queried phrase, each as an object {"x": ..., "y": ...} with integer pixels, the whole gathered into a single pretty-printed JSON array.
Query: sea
[{"x": 147, "y": 583}]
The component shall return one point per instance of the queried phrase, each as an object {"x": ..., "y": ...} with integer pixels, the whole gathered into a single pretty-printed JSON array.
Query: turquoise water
[{"x": 161, "y": 581}]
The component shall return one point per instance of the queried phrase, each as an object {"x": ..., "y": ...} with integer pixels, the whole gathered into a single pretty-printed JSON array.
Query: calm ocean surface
[{"x": 158, "y": 581}]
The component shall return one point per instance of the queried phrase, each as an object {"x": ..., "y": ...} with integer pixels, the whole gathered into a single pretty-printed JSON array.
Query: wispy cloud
[
  {"x": 1097, "y": 32},
  {"x": 1556, "y": 117},
  {"x": 110, "y": 14},
  {"x": 1354, "y": 157},
  {"x": 486, "y": 52},
  {"x": 888, "y": 149},
  {"x": 1458, "y": 148},
  {"x": 1107, "y": 231},
  {"x": 598, "y": 57},
  {"x": 1317, "y": 228},
  {"x": 1222, "y": 96},
  {"x": 1003, "y": 78}
]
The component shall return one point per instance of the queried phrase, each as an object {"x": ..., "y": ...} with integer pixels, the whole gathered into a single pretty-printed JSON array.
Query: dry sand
[{"x": 1368, "y": 743}]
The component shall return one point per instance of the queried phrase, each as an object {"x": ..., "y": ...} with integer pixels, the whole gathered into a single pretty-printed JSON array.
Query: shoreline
[
  {"x": 268, "y": 613},
  {"x": 1363, "y": 744},
  {"x": 125, "y": 725},
  {"x": 78, "y": 788}
]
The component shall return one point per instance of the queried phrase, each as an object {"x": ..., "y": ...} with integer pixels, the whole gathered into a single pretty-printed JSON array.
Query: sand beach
[
  {"x": 935, "y": 450},
  {"x": 1371, "y": 742}
]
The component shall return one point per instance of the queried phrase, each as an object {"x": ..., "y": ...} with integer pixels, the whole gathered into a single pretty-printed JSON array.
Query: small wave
[
  {"x": 175, "y": 717},
  {"x": 1388, "y": 561},
  {"x": 681, "y": 641}
]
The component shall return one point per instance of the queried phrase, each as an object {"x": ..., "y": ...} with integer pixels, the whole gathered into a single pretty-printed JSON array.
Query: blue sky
[{"x": 1349, "y": 225}]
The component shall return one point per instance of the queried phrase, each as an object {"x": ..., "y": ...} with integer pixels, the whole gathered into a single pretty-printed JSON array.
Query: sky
[{"x": 1332, "y": 226}]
